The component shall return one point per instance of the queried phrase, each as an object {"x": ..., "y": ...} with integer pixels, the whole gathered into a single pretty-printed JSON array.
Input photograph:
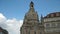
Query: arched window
[{"x": 32, "y": 5}]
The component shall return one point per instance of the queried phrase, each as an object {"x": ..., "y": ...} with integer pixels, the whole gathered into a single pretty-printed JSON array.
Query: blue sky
[
  {"x": 12, "y": 12},
  {"x": 18, "y": 8}
]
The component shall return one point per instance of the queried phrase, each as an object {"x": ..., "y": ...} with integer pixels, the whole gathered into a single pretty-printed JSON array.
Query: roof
[{"x": 51, "y": 15}]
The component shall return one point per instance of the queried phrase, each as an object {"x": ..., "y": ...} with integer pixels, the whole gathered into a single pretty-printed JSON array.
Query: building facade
[
  {"x": 52, "y": 23},
  {"x": 3, "y": 31},
  {"x": 46, "y": 25}
]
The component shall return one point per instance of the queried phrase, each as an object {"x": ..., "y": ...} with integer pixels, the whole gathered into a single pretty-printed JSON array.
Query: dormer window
[
  {"x": 32, "y": 5},
  {"x": 52, "y": 15},
  {"x": 57, "y": 14}
]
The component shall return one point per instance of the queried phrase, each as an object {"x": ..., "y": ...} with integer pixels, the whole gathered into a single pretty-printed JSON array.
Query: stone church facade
[{"x": 49, "y": 24}]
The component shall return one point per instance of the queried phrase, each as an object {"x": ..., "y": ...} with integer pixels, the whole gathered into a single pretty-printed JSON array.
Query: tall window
[
  {"x": 35, "y": 32},
  {"x": 40, "y": 32},
  {"x": 29, "y": 31}
]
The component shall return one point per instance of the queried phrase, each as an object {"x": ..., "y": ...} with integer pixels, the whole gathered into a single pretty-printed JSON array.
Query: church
[{"x": 49, "y": 24}]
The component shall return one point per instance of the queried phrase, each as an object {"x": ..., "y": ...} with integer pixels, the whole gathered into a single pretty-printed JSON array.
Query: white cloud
[
  {"x": 2, "y": 18},
  {"x": 21, "y": 22},
  {"x": 2, "y": 21},
  {"x": 11, "y": 25}
]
